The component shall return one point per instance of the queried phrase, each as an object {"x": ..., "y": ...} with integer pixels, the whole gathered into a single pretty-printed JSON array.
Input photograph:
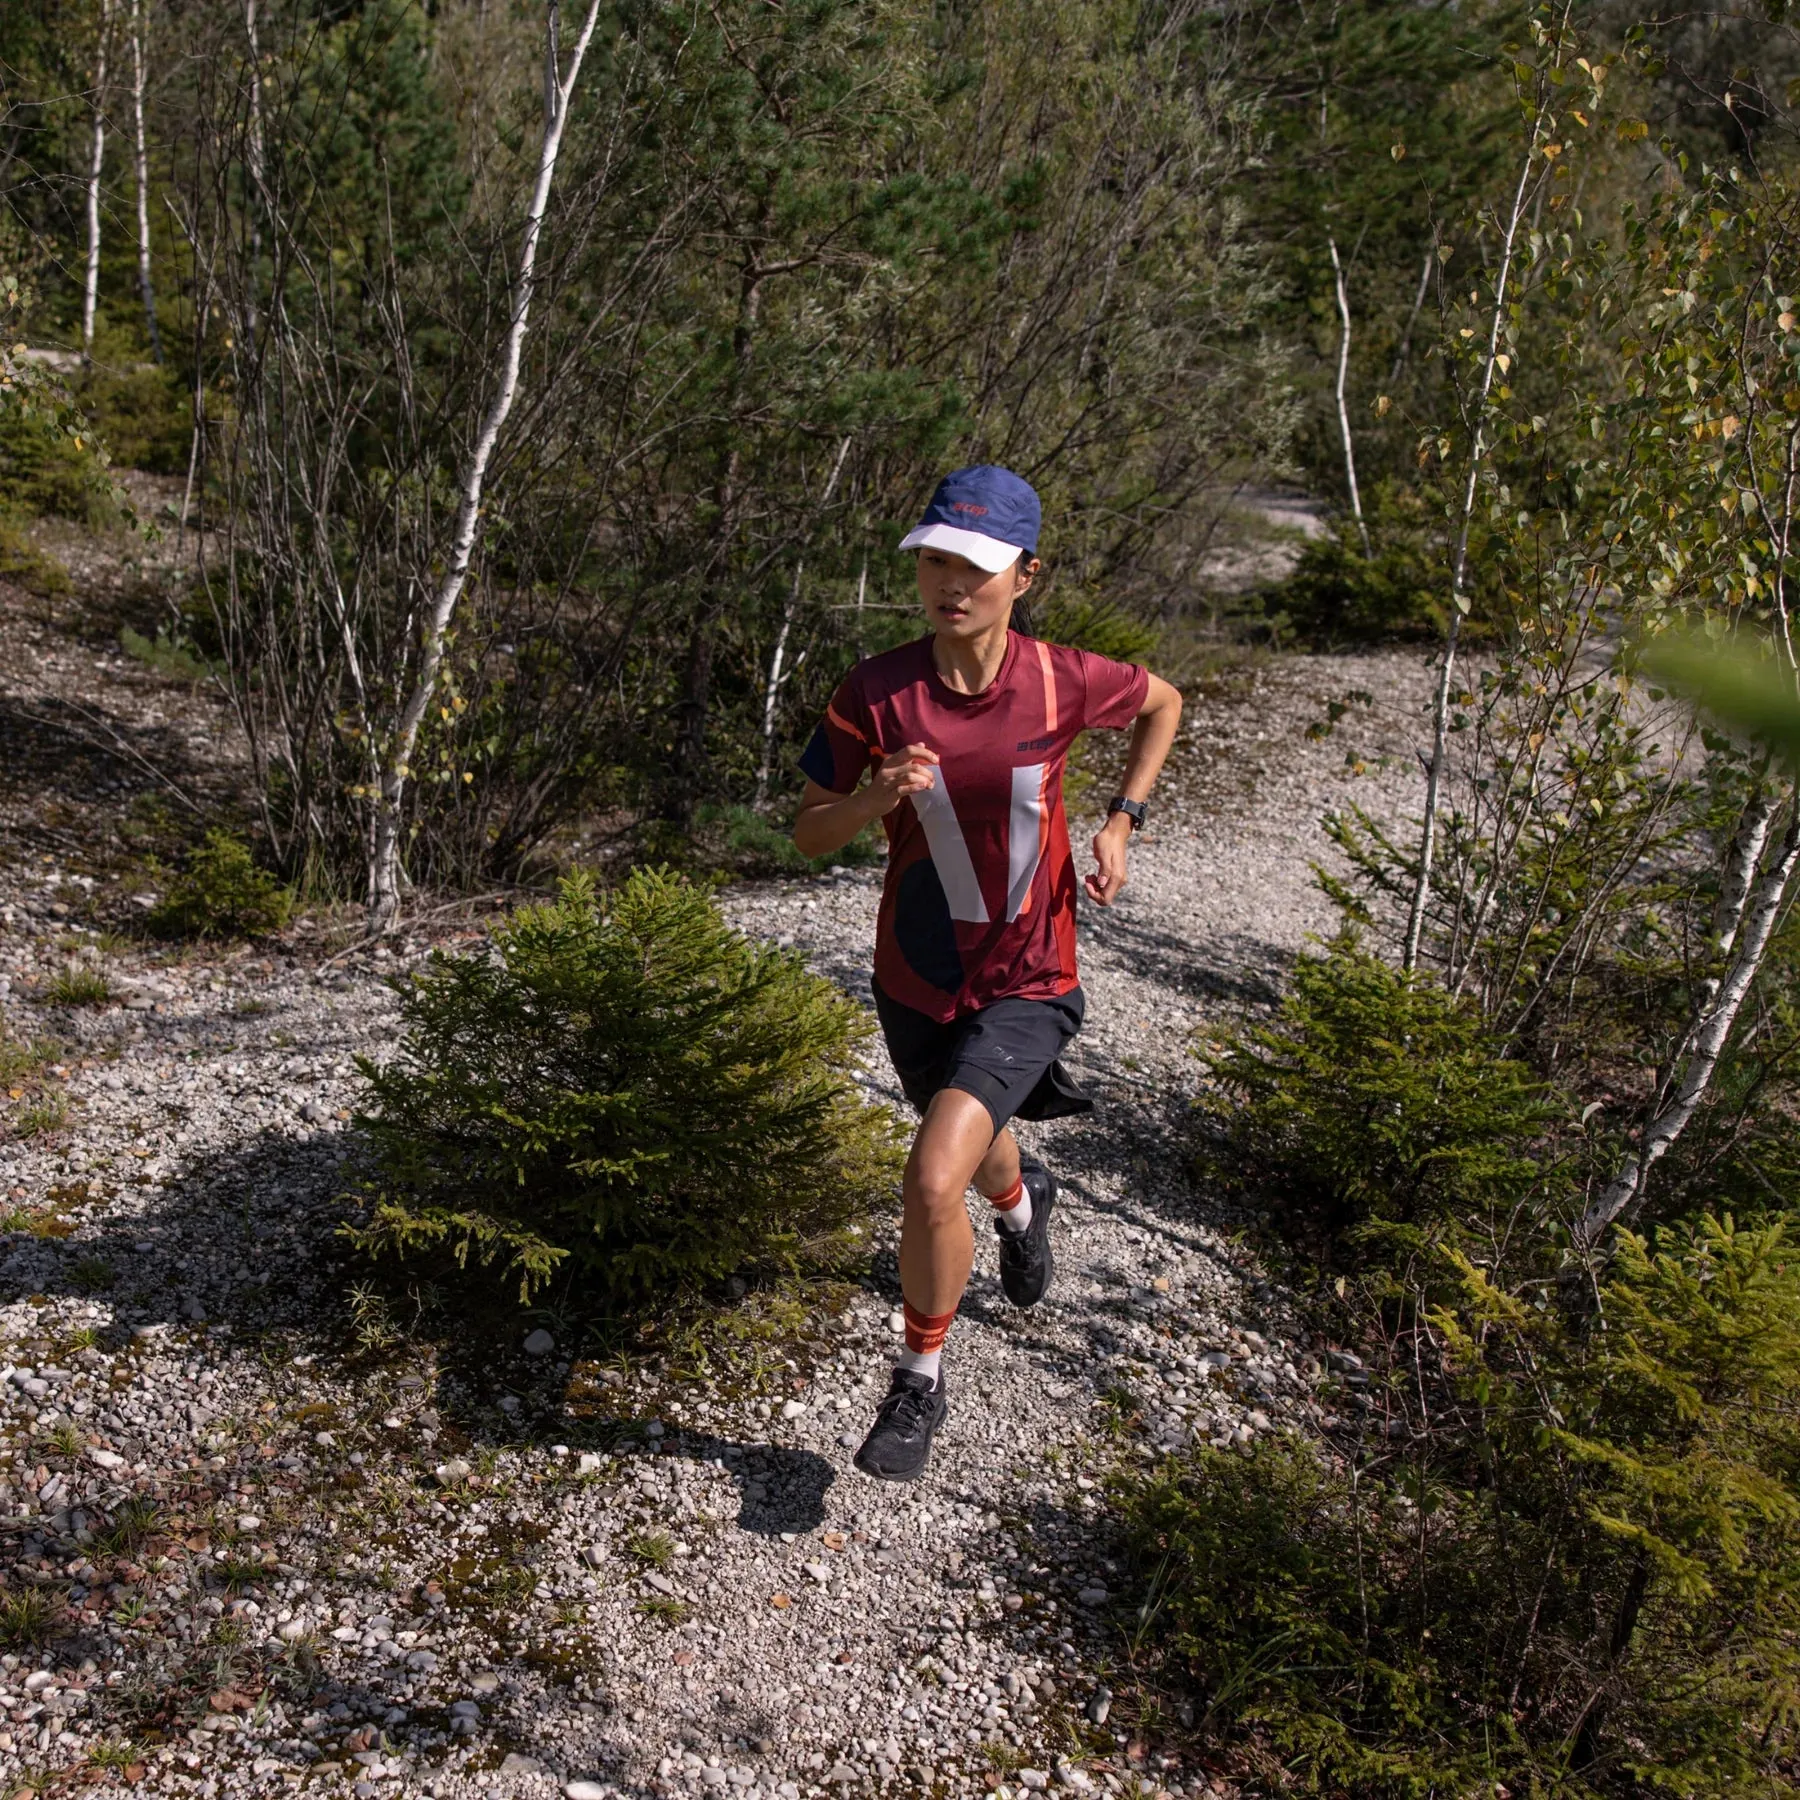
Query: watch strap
[{"x": 1134, "y": 810}]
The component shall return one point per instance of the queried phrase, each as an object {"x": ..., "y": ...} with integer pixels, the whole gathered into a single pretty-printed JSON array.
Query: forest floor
[{"x": 271, "y": 1521}]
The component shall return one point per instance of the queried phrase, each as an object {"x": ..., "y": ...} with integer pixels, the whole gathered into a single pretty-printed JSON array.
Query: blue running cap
[{"x": 987, "y": 514}]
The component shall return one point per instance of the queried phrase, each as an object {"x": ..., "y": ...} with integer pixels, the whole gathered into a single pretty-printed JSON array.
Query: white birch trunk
[
  {"x": 772, "y": 687},
  {"x": 862, "y": 594},
  {"x": 90, "y": 293},
  {"x": 256, "y": 163},
  {"x": 772, "y": 692},
  {"x": 1415, "y": 922},
  {"x": 1343, "y": 408},
  {"x": 1704, "y": 1043},
  {"x": 143, "y": 179},
  {"x": 384, "y": 858},
  {"x": 1744, "y": 859}
]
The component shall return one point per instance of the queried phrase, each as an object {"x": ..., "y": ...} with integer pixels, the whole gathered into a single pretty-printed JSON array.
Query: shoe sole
[
  {"x": 919, "y": 1473},
  {"x": 1049, "y": 1255}
]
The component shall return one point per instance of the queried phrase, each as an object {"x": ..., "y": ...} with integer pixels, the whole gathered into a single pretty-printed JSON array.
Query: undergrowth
[{"x": 625, "y": 1085}]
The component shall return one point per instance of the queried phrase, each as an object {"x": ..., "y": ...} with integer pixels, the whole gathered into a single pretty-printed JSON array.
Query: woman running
[{"x": 975, "y": 983}]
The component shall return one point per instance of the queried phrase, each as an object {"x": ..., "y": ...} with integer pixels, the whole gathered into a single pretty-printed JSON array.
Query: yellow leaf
[
  {"x": 1503, "y": 363},
  {"x": 1398, "y": 153},
  {"x": 1382, "y": 404},
  {"x": 1630, "y": 130},
  {"x": 1786, "y": 321}
]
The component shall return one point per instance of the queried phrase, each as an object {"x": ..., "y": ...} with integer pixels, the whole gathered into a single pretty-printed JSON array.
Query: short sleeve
[
  {"x": 1114, "y": 691},
  {"x": 843, "y": 744}
]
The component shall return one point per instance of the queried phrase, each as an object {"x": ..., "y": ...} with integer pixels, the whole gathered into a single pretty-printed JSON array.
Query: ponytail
[{"x": 1021, "y": 608}]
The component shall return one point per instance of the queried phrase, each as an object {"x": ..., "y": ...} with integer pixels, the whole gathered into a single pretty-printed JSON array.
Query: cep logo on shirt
[{"x": 1040, "y": 743}]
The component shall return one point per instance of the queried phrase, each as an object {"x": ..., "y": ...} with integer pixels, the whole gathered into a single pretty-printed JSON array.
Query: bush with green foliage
[
  {"x": 1581, "y": 1578},
  {"x": 26, "y": 566},
  {"x": 747, "y": 842},
  {"x": 164, "y": 653},
  {"x": 1374, "y": 1099},
  {"x": 142, "y": 414},
  {"x": 48, "y": 470},
  {"x": 626, "y": 1086},
  {"x": 1068, "y": 617},
  {"x": 222, "y": 894}
]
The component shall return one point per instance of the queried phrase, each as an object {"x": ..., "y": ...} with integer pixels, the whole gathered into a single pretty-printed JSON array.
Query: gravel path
[{"x": 300, "y": 1530}]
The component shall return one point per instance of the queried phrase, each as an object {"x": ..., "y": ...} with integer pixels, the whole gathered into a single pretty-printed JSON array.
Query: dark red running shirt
[{"x": 979, "y": 902}]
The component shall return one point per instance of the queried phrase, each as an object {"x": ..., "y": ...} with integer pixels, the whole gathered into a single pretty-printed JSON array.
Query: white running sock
[
  {"x": 922, "y": 1362},
  {"x": 1013, "y": 1210}
]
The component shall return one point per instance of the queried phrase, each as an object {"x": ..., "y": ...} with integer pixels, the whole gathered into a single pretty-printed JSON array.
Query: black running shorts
[{"x": 1006, "y": 1055}]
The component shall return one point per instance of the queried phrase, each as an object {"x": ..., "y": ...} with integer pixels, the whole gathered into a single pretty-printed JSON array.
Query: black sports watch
[{"x": 1135, "y": 810}]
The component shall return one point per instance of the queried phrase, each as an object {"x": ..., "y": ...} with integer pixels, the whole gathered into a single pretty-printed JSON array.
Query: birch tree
[
  {"x": 90, "y": 291},
  {"x": 141, "y": 157},
  {"x": 1535, "y": 167},
  {"x": 1343, "y": 409},
  {"x": 777, "y": 656},
  {"x": 384, "y": 862}
]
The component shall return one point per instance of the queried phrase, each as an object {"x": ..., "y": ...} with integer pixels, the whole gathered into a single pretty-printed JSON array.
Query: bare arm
[
  {"x": 1152, "y": 732},
  {"x": 828, "y": 821}
]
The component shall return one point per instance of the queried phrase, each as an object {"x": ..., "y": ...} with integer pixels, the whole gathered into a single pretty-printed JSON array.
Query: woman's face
[{"x": 962, "y": 601}]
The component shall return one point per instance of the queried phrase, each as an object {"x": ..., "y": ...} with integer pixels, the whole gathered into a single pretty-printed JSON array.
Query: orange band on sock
[
  {"x": 1007, "y": 1201},
  {"x": 925, "y": 1332}
]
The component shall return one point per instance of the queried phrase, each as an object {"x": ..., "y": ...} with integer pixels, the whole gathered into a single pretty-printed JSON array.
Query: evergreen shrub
[
  {"x": 1376, "y": 1098},
  {"x": 1337, "y": 596},
  {"x": 744, "y": 841},
  {"x": 142, "y": 414},
  {"x": 44, "y": 471},
  {"x": 26, "y": 566},
  {"x": 626, "y": 1086},
  {"x": 222, "y": 894},
  {"x": 1581, "y": 1577}
]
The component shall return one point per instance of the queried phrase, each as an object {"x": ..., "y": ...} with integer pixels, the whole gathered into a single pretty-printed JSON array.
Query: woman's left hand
[{"x": 1109, "y": 853}]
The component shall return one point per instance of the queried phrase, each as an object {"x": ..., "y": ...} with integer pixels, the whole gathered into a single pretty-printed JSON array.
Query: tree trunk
[
  {"x": 772, "y": 688},
  {"x": 143, "y": 179},
  {"x": 862, "y": 594},
  {"x": 384, "y": 858},
  {"x": 1343, "y": 409},
  {"x": 1585, "y": 1749},
  {"x": 772, "y": 691},
  {"x": 687, "y": 764},
  {"x": 90, "y": 293},
  {"x": 255, "y": 162},
  {"x": 1679, "y": 1095},
  {"x": 1459, "y": 600},
  {"x": 1412, "y": 318}
]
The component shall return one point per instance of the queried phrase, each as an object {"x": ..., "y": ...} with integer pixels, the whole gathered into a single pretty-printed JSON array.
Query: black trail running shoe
[
  {"x": 1026, "y": 1264},
  {"x": 899, "y": 1443}
]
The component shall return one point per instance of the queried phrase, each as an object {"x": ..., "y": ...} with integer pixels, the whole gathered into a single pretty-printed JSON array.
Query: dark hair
[{"x": 1021, "y": 609}]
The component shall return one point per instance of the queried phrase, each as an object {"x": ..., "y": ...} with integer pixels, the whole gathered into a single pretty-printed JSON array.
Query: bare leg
[
  {"x": 956, "y": 1138},
  {"x": 999, "y": 1170}
]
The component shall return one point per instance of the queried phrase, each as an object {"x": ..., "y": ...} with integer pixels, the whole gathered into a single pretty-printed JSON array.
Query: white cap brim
[{"x": 984, "y": 552}]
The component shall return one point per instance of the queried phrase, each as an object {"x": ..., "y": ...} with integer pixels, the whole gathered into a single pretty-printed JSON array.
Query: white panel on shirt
[
  {"x": 950, "y": 852},
  {"x": 1025, "y": 836}
]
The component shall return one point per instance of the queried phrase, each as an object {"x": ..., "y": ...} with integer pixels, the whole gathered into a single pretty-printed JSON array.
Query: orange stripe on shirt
[
  {"x": 843, "y": 724},
  {"x": 1049, "y": 669}
]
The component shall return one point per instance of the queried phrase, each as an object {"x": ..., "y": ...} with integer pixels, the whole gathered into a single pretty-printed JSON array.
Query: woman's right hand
[{"x": 908, "y": 771}]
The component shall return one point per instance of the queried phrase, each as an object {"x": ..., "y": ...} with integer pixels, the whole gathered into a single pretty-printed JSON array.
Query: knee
[{"x": 932, "y": 1198}]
